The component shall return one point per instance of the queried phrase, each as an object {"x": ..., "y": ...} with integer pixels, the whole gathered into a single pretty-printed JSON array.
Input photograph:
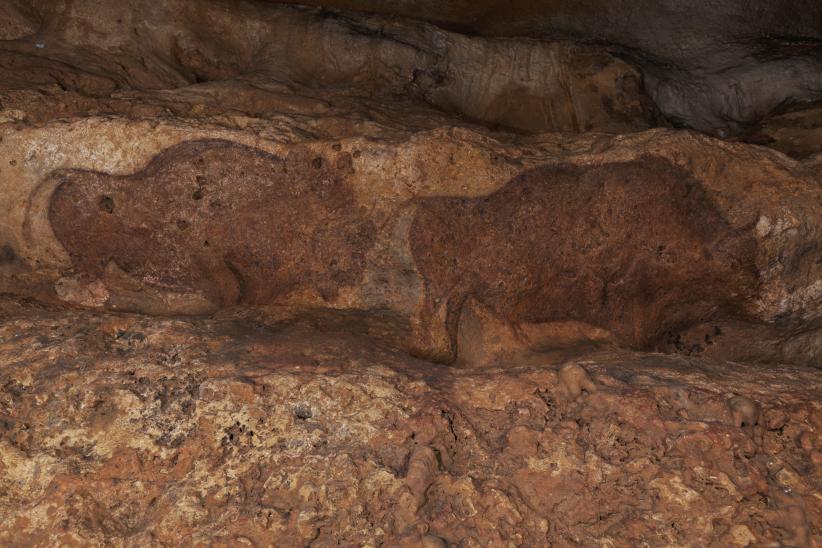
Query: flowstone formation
[
  {"x": 137, "y": 430},
  {"x": 276, "y": 275}
]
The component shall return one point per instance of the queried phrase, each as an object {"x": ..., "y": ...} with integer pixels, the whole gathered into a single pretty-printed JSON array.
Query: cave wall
[
  {"x": 704, "y": 62},
  {"x": 410, "y": 273}
]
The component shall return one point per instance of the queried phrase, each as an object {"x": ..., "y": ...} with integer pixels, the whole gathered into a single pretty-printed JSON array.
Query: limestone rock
[
  {"x": 127, "y": 429},
  {"x": 713, "y": 65},
  {"x": 642, "y": 236},
  {"x": 291, "y": 276},
  {"x": 109, "y": 51}
]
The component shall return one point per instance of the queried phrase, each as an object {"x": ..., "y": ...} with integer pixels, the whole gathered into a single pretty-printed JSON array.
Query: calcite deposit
[
  {"x": 277, "y": 275},
  {"x": 134, "y": 430}
]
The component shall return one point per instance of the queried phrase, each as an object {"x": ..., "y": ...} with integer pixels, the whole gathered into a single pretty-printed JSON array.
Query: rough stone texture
[
  {"x": 237, "y": 224},
  {"x": 329, "y": 281},
  {"x": 128, "y": 430},
  {"x": 88, "y": 48},
  {"x": 636, "y": 247},
  {"x": 702, "y": 63},
  {"x": 17, "y": 20},
  {"x": 795, "y": 131},
  {"x": 644, "y": 237},
  {"x": 714, "y": 65}
]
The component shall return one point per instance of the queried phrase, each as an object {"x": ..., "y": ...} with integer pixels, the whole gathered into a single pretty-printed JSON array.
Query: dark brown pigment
[
  {"x": 636, "y": 248},
  {"x": 238, "y": 224}
]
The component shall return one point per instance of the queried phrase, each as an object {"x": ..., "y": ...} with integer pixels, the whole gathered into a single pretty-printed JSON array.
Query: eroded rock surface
[
  {"x": 124, "y": 429},
  {"x": 642, "y": 238},
  {"x": 716, "y": 65},
  {"x": 320, "y": 60},
  {"x": 235, "y": 224},
  {"x": 346, "y": 279},
  {"x": 636, "y": 248},
  {"x": 795, "y": 130}
]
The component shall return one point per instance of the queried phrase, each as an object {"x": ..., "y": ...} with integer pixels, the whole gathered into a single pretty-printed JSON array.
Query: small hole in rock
[{"x": 106, "y": 204}]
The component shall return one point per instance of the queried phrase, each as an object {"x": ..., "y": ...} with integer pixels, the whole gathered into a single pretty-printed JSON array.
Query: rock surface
[
  {"x": 123, "y": 429},
  {"x": 795, "y": 130},
  {"x": 643, "y": 236},
  {"x": 713, "y": 65},
  {"x": 83, "y": 51},
  {"x": 346, "y": 279}
]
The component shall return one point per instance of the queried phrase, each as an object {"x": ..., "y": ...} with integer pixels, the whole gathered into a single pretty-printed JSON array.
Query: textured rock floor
[{"x": 132, "y": 430}]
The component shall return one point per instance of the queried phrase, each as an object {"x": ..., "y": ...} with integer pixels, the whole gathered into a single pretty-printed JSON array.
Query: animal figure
[{"x": 233, "y": 223}]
